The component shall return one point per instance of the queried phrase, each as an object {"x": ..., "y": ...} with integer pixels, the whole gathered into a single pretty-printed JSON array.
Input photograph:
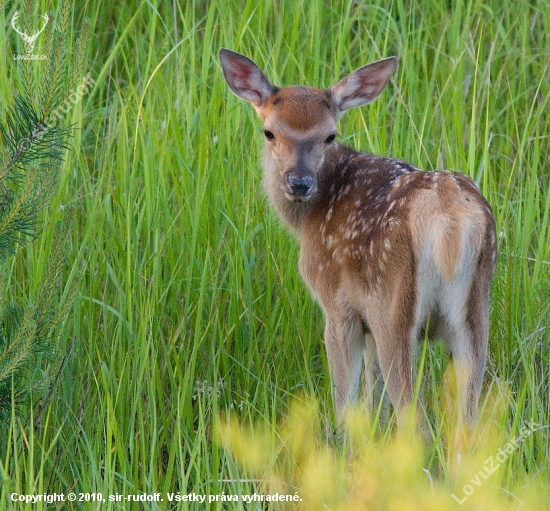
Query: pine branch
[
  {"x": 29, "y": 140},
  {"x": 18, "y": 342},
  {"x": 17, "y": 218},
  {"x": 28, "y": 176},
  {"x": 33, "y": 145}
]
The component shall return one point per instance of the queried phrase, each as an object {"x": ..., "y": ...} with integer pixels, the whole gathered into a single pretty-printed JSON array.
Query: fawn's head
[{"x": 299, "y": 121}]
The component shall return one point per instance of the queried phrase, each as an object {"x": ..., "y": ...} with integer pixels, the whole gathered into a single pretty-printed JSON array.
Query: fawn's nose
[{"x": 300, "y": 185}]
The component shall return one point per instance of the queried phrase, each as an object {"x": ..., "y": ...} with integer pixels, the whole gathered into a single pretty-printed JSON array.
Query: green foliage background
[{"x": 191, "y": 304}]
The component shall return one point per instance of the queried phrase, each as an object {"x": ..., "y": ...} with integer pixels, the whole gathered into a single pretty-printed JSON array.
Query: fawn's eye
[
  {"x": 269, "y": 135},
  {"x": 330, "y": 139}
]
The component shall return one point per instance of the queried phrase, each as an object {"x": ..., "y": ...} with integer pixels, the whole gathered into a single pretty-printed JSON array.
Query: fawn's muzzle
[{"x": 300, "y": 186}]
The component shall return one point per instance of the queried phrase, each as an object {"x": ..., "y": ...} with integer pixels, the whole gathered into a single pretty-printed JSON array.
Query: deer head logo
[{"x": 28, "y": 40}]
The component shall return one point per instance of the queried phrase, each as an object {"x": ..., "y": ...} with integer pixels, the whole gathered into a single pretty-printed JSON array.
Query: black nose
[{"x": 300, "y": 185}]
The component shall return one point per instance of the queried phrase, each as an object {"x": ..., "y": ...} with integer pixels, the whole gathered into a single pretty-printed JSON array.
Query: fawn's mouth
[{"x": 293, "y": 197}]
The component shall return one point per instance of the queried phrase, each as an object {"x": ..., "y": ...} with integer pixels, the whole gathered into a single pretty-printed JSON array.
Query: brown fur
[{"x": 384, "y": 245}]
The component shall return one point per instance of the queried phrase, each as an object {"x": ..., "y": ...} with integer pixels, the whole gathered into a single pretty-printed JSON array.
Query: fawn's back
[{"x": 384, "y": 246}]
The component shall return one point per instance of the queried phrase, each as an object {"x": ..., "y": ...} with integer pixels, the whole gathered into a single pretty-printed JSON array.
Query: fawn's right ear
[{"x": 245, "y": 78}]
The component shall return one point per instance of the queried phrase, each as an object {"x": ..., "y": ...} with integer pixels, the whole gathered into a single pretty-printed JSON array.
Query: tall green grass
[{"x": 190, "y": 305}]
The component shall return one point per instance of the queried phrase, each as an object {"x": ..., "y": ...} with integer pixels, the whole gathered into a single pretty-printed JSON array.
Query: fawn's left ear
[
  {"x": 245, "y": 78},
  {"x": 363, "y": 85}
]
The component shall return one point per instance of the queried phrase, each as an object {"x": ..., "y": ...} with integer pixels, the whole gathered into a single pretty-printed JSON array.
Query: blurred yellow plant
[{"x": 376, "y": 475}]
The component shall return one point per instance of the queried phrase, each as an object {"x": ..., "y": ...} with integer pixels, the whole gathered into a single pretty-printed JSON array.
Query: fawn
[{"x": 384, "y": 247}]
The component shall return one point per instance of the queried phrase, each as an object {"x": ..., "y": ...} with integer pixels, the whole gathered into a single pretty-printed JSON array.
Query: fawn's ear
[
  {"x": 245, "y": 78},
  {"x": 363, "y": 85}
]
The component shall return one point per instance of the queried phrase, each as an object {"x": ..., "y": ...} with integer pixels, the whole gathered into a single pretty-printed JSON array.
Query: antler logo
[{"x": 29, "y": 40}]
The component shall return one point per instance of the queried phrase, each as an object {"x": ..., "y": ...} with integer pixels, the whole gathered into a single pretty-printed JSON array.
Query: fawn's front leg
[{"x": 344, "y": 341}]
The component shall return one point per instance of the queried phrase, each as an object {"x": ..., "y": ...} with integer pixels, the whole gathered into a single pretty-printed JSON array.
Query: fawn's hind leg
[{"x": 374, "y": 383}]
